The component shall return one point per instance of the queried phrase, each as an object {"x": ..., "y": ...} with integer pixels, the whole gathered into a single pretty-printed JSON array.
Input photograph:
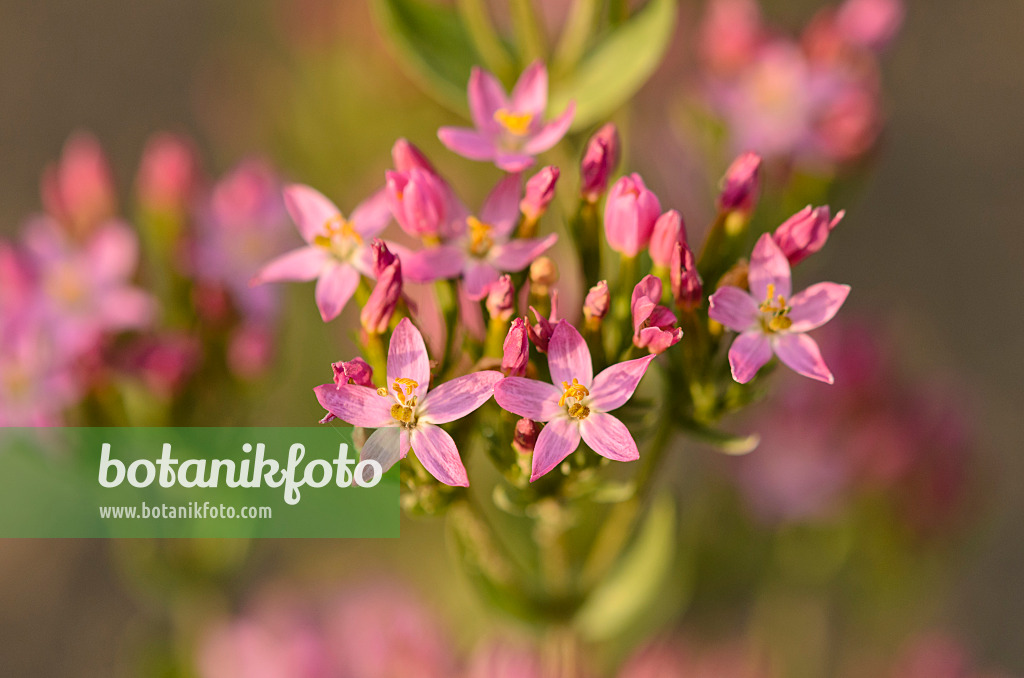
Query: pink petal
[
  {"x": 557, "y": 440},
  {"x": 801, "y": 354},
  {"x": 384, "y": 446},
  {"x": 335, "y": 287},
  {"x": 372, "y": 216},
  {"x": 552, "y": 133},
  {"x": 530, "y": 95},
  {"x": 511, "y": 161},
  {"x": 434, "y": 263},
  {"x": 486, "y": 96},
  {"x": 816, "y": 305},
  {"x": 456, "y": 398},
  {"x": 114, "y": 251},
  {"x": 437, "y": 452},
  {"x": 537, "y": 400},
  {"x": 478, "y": 277},
  {"x": 658, "y": 340},
  {"x": 467, "y": 142},
  {"x": 748, "y": 354},
  {"x": 472, "y": 316},
  {"x": 569, "y": 357},
  {"x": 309, "y": 209},
  {"x": 609, "y": 437},
  {"x": 501, "y": 208},
  {"x": 516, "y": 255},
  {"x": 126, "y": 307},
  {"x": 734, "y": 308},
  {"x": 358, "y": 405},
  {"x": 305, "y": 263},
  {"x": 769, "y": 266},
  {"x": 616, "y": 384},
  {"x": 407, "y": 358}
]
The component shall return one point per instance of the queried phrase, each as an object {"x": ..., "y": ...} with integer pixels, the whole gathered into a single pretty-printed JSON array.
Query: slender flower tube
[
  {"x": 501, "y": 300},
  {"x": 577, "y": 403},
  {"x": 516, "y": 349},
  {"x": 770, "y": 319},
  {"x": 687, "y": 287},
  {"x": 654, "y": 326},
  {"x": 669, "y": 230},
  {"x": 629, "y": 215},
  {"x": 404, "y": 414},
  {"x": 380, "y": 306},
  {"x": 599, "y": 162},
  {"x": 540, "y": 191},
  {"x": 509, "y": 130},
  {"x": 805, "y": 232},
  {"x": 337, "y": 251},
  {"x": 741, "y": 184}
]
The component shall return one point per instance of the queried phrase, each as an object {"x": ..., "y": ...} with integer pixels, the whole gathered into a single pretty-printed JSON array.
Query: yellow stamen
[
  {"x": 404, "y": 409},
  {"x": 571, "y": 397},
  {"x": 338, "y": 226},
  {"x": 480, "y": 240},
  {"x": 516, "y": 123},
  {"x": 777, "y": 311}
]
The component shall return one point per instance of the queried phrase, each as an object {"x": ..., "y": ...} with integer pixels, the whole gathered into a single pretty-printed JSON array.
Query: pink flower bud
[
  {"x": 418, "y": 201},
  {"x": 250, "y": 351},
  {"x": 597, "y": 303},
  {"x": 525, "y": 437},
  {"x": 169, "y": 174},
  {"x": 687, "y": 288},
  {"x": 541, "y": 331},
  {"x": 516, "y": 349},
  {"x": 870, "y": 23},
  {"x": 501, "y": 299},
  {"x": 379, "y": 308},
  {"x": 356, "y": 371},
  {"x": 540, "y": 190},
  {"x": 669, "y": 230},
  {"x": 654, "y": 326},
  {"x": 79, "y": 190},
  {"x": 805, "y": 232},
  {"x": 629, "y": 215},
  {"x": 543, "y": 274},
  {"x": 741, "y": 184},
  {"x": 407, "y": 156},
  {"x": 599, "y": 162}
]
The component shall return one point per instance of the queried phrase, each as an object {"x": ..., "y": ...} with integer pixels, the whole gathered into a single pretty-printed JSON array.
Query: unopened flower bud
[
  {"x": 79, "y": 190},
  {"x": 805, "y": 232},
  {"x": 376, "y": 314},
  {"x": 169, "y": 174},
  {"x": 597, "y": 303},
  {"x": 669, "y": 230},
  {"x": 687, "y": 288},
  {"x": 870, "y": 23},
  {"x": 406, "y": 156},
  {"x": 356, "y": 371},
  {"x": 501, "y": 299},
  {"x": 599, "y": 162},
  {"x": 516, "y": 349},
  {"x": 541, "y": 331},
  {"x": 540, "y": 190},
  {"x": 741, "y": 184},
  {"x": 629, "y": 215},
  {"x": 543, "y": 274},
  {"x": 418, "y": 201},
  {"x": 525, "y": 437}
]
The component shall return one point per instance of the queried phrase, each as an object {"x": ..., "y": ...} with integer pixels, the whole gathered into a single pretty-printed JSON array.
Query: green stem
[
  {"x": 485, "y": 38},
  {"x": 586, "y": 231},
  {"x": 529, "y": 36}
]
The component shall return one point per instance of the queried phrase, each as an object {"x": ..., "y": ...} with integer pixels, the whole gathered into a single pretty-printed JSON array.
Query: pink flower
[
  {"x": 740, "y": 185},
  {"x": 540, "y": 191},
  {"x": 629, "y": 215},
  {"x": 337, "y": 251},
  {"x": 169, "y": 175},
  {"x": 870, "y": 23},
  {"x": 805, "y": 232},
  {"x": 687, "y": 287},
  {"x": 405, "y": 155},
  {"x": 79, "y": 190},
  {"x": 770, "y": 319},
  {"x": 509, "y": 131},
  {"x": 387, "y": 292},
  {"x": 654, "y": 326},
  {"x": 516, "y": 349},
  {"x": 669, "y": 230},
  {"x": 597, "y": 302},
  {"x": 36, "y": 381},
  {"x": 481, "y": 249},
  {"x": 576, "y": 404},
  {"x": 250, "y": 350},
  {"x": 419, "y": 200},
  {"x": 404, "y": 415},
  {"x": 730, "y": 34},
  {"x": 599, "y": 162}
]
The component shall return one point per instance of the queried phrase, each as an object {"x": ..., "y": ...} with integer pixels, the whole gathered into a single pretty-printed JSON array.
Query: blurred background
[{"x": 930, "y": 245}]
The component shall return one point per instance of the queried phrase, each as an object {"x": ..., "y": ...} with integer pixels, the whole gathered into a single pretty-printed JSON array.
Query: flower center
[
  {"x": 339, "y": 236},
  {"x": 775, "y": 312},
  {"x": 572, "y": 399},
  {"x": 404, "y": 409},
  {"x": 514, "y": 123},
  {"x": 480, "y": 240}
]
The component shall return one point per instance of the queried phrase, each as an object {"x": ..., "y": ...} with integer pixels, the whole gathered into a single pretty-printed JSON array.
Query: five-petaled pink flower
[
  {"x": 482, "y": 248},
  {"x": 576, "y": 404},
  {"x": 509, "y": 130},
  {"x": 337, "y": 251},
  {"x": 404, "y": 414},
  {"x": 770, "y": 319}
]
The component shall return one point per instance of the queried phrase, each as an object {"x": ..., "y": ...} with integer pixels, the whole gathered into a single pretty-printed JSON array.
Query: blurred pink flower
[
  {"x": 805, "y": 232},
  {"x": 36, "y": 382},
  {"x": 516, "y": 349},
  {"x": 669, "y": 230},
  {"x": 540, "y": 191},
  {"x": 599, "y": 162},
  {"x": 509, "y": 130},
  {"x": 741, "y": 184},
  {"x": 169, "y": 176},
  {"x": 730, "y": 34},
  {"x": 629, "y": 215},
  {"x": 579, "y": 406},
  {"x": 78, "y": 190},
  {"x": 870, "y": 23}
]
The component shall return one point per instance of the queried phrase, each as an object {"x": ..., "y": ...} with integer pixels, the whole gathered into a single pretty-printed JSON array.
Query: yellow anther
[
  {"x": 775, "y": 307},
  {"x": 403, "y": 388},
  {"x": 516, "y": 123},
  {"x": 575, "y": 390},
  {"x": 480, "y": 240},
  {"x": 382, "y": 392},
  {"x": 339, "y": 225}
]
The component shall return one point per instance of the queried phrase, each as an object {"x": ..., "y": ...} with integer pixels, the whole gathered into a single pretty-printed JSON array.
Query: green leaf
[
  {"x": 727, "y": 443},
  {"x": 638, "y": 580},
  {"x": 617, "y": 66},
  {"x": 432, "y": 45}
]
